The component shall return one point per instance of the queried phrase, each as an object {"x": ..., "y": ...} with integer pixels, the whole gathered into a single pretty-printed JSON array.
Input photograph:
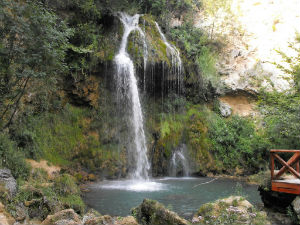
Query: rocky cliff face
[{"x": 253, "y": 32}]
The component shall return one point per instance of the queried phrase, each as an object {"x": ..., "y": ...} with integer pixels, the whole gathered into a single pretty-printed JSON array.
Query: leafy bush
[
  {"x": 65, "y": 185},
  {"x": 281, "y": 110},
  {"x": 12, "y": 158},
  {"x": 164, "y": 10},
  {"x": 281, "y": 119},
  {"x": 236, "y": 143}
]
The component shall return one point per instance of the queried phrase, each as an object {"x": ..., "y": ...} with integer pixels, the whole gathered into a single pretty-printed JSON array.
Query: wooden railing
[
  {"x": 287, "y": 185},
  {"x": 286, "y": 166}
]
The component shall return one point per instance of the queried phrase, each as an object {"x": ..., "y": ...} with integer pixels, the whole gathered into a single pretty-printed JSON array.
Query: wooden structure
[{"x": 281, "y": 180}]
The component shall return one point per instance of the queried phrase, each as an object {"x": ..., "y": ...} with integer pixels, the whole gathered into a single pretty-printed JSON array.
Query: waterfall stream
[
  {"x": 179, "y": 162},
  {"x": 128, "y": 93},
  {"x": 128, "y": 89},
  {"x": 176, "y": 63}
]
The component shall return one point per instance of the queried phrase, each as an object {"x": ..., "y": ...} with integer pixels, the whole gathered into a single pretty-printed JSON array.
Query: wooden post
[{"x": 272, "y": 165}]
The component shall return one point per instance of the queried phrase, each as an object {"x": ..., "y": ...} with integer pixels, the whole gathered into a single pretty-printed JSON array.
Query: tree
[
  {"x": 33, "y": 43},
  {"x": 282, "y": 110}
]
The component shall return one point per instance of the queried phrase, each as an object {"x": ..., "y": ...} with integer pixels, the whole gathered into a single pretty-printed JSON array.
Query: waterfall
[
  {"x": 176, "y": 63},
  {"x": 179, "y": 162},
  {"x": 127, "y": 90}
]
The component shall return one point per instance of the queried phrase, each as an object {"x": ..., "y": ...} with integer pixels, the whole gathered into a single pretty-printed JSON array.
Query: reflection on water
[{"x": 182, "y": 195}]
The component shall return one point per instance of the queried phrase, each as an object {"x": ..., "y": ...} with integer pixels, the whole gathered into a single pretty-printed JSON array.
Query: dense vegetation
[
  {"x": 55, "y": 91},
  {"x": 57, "y": 100}
]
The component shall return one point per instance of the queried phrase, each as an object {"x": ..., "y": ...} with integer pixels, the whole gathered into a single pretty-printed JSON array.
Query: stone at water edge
[
  {"x": 8, "y": 181},
  {"x": 129, "y": 220},
  {"x": 234, "y": 209},
  {"x": 106, "y": 219},
  {"x": 296, "y": 206},
  {"x": 64, "y": 217},
  {"x": 151, "y": 212}
]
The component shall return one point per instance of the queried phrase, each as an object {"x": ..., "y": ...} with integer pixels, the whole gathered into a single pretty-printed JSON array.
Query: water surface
[{"x": 182, "y": 195}]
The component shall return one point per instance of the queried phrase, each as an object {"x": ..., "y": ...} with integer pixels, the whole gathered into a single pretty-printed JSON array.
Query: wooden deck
[{"x": 287, "y": 178}]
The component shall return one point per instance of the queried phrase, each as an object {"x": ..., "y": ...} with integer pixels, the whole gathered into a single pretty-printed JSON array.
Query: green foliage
[
  {"x": 293, "y": 68},
  {"x": 171, "y": 131},
  {"x": 12, "y": 158},
  {"x": 200, "y": 58},
  {"x": 281, "y": 111},
  {"x": 198, "y": 139},
  {"x": 281, "y": 118},
  {"x": 61, "y": 193},
  {"x": 69, "y": 137},
  {"x": 54, "y": 136},
  {"x": 236, "y": 143},
  {"x": 33, "y": 44},
  {"x": 65, "y": 185},
  {"x": 211, "y": 7},
  {"x": 164, "y": 10}
]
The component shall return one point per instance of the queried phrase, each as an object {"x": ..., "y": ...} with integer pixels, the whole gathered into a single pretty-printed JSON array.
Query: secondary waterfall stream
[
  {"x": 176, "y": 63},
  {"x": 127, "y": 87},
  {"x": 179, "y": 162}
]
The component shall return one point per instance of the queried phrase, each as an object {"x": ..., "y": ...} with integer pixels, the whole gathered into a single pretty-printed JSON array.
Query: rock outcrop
[
  {"x": 253, "y": 34},
  {"x": 151, "y": 212},
  {"x": 64, "y": 217},
  {"x": 8, "y": 181},
  {"x": 225, "y": 109},
  {"x": 233, "y": 210}
]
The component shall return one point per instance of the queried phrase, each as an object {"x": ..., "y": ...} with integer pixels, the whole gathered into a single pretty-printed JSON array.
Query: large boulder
[
  {"x": 8, "y": 181},
  {"x": 231, "y": 210},
  {"x": 151, "y": 212},
  {"x": 296, "y": 207},
  {"x": 64, "y": 217}
]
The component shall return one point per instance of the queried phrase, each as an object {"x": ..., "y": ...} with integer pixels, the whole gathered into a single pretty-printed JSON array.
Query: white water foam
[
  {"x": 178, "y": 178},
  {"x": 133, "y": 185}
]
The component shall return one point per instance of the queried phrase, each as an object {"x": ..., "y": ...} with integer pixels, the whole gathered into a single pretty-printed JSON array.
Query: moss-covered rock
[
  {"x": 151, "y": 212},
  {"x": 232, "y": 210}
]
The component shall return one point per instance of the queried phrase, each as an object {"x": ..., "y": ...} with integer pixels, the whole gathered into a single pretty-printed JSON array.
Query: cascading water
[
  {"x": 127, "y": 89},
  {"x": 176, "y": 62},
  {"x": 179, "y": 162}
]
